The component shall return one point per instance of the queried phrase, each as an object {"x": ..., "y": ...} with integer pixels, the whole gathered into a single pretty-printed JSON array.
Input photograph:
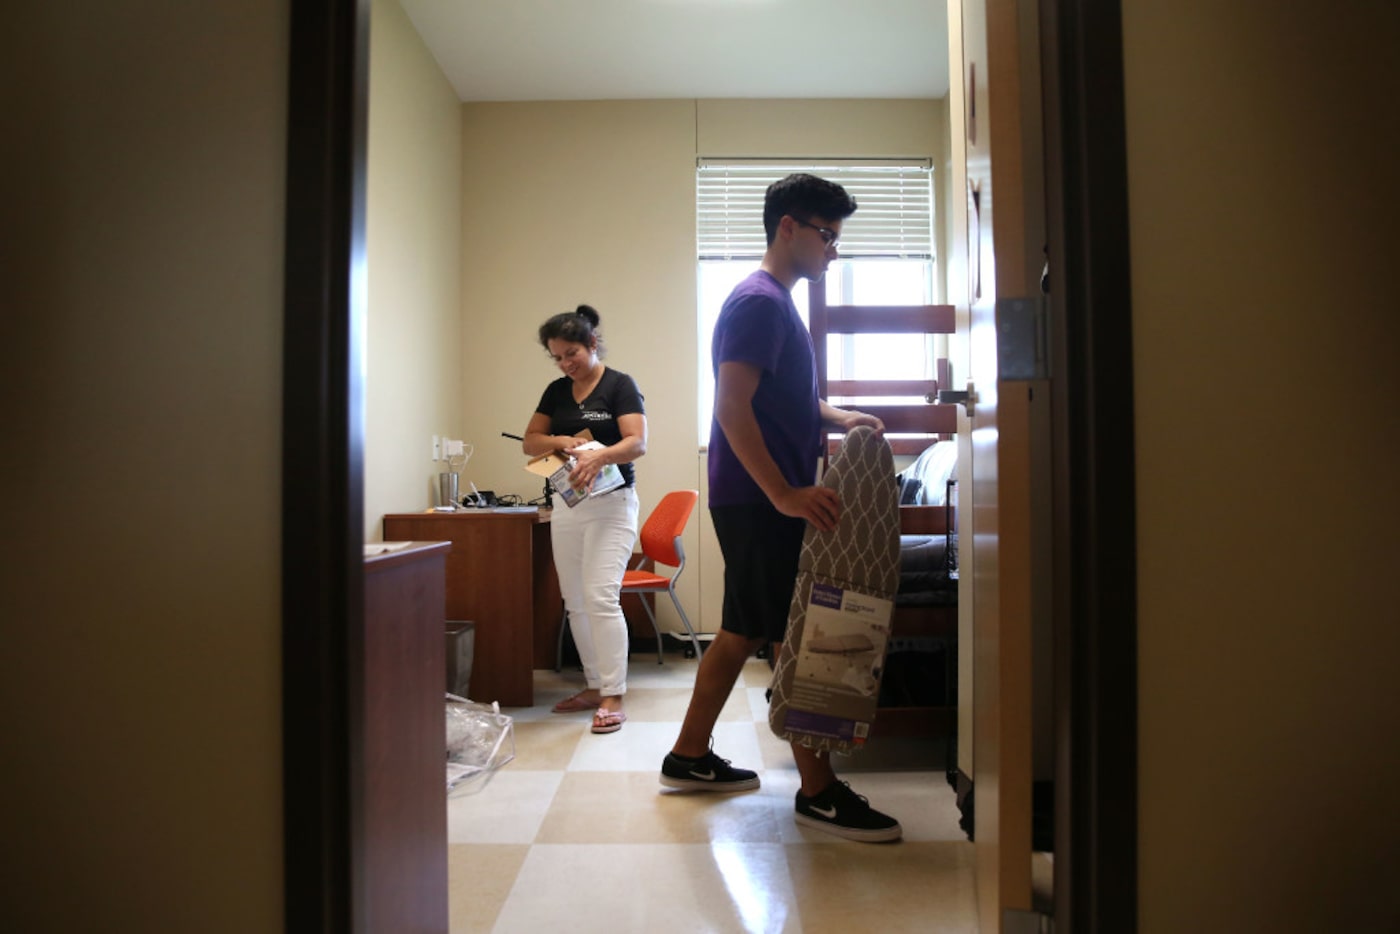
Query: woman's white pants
[{"x": 592, "y": 544}]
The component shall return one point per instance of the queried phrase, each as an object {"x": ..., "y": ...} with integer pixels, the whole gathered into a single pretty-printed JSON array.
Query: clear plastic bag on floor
[{"x": 480, "y": 739}]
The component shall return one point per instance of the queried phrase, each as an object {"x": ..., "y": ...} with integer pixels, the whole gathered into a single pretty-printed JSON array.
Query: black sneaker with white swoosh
[
  {"x": 839, "y": 810},
  {"x": 707, "y": 773}
]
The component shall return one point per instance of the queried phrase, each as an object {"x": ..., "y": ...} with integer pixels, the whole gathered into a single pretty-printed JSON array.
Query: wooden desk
[
  {"x": 405, "y": 741},
  {"x": 500, "y": 575}
]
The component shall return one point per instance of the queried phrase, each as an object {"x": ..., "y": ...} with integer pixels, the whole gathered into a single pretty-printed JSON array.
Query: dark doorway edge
[
  {"x": 322, "y": 463},
  {"x": 1096, "y": 583}
]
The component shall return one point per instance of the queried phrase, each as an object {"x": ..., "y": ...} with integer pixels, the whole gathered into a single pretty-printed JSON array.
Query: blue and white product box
[{"x": 557, "y": 468}]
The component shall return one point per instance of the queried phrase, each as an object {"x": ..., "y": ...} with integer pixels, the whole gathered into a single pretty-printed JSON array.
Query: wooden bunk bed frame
[{"x": 928, "y": 422}]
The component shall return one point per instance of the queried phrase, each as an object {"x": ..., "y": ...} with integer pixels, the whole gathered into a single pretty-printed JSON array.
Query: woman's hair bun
[{"x": 588, "y": 314}]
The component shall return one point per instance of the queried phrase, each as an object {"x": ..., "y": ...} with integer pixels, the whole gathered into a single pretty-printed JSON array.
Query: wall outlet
[
  {"x": 452, "y": 448},
  {"x": 437, "y": 449}
]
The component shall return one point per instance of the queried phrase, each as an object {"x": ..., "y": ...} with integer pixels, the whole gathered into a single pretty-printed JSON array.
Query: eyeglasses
[{"x": 829, "y": 236}]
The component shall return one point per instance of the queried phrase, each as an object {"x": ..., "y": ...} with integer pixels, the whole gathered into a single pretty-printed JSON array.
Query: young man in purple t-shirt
[{"x": 765, "y": 441}]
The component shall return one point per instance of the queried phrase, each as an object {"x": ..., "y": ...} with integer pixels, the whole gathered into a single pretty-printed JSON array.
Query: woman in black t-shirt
[{"x": 592, "y": 539}]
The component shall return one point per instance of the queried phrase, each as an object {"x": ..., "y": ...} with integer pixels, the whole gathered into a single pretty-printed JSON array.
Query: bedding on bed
[
  {"x": 925, "y": 481},
  {"x": 923, "y": 559}
]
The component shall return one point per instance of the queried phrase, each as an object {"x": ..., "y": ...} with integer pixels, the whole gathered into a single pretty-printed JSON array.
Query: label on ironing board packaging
[{"x": 836, "y": 682}]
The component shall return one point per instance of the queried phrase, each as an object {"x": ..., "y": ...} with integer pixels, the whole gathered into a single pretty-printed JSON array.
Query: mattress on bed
[
  {"x": 923, "y": 559},
  {"x": 923, "y": 572}
]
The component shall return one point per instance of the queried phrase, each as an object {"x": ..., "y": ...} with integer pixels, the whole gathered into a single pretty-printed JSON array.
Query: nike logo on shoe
[
  {"x": 709, "y": 776},
  {"x": 828, "y": 813}
]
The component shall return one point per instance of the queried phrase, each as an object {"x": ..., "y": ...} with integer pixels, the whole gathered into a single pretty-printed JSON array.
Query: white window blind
[{"x": 894, "y": 216}]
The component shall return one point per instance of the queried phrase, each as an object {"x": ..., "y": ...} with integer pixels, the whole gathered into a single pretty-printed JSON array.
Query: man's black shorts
[{"x": 760, "y": 547}]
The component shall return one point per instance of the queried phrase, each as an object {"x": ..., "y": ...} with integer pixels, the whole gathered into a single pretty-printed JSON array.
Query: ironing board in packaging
[{"x": 826, "y": 681}]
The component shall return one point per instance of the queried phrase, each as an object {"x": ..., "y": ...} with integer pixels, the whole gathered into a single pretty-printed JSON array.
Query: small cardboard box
[{"x": 556, "y": 467}]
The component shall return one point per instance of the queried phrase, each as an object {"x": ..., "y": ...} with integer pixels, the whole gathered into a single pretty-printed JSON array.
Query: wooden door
[{"x": 985, "y": 48}]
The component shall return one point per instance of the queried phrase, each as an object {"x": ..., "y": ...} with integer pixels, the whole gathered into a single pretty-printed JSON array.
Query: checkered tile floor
[{"x": 576, "y": 835}]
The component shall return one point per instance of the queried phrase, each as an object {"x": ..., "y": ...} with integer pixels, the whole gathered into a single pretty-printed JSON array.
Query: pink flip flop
[{"x": 608, "y": 721}]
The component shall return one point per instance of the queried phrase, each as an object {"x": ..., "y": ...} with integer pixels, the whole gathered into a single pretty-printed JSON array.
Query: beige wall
[
  {"x": 414, "y": 235},
  {"x": 1263, "y": 199},
  {"x": 140, "y": 362},
  {"x": 595, "y": 202}
]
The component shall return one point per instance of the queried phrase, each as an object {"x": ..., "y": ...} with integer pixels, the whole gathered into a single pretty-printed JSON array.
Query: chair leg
[
  {"x": 685, "y": 620},
  {"x": 660, "y": 659}
]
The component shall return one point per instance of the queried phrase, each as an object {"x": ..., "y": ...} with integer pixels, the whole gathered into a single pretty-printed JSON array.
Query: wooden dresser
[{"x": 405, "y": 741}]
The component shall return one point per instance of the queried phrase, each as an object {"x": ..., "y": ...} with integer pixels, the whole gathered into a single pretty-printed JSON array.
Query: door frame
[
  {"x": 323, "y": 466},
  {"x": 323, "y": 458},
  {"x": 1094, "y": 512}
]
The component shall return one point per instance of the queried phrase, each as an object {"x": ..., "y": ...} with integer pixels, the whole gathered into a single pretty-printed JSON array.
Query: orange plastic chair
[{"x": 661, "y": 542}]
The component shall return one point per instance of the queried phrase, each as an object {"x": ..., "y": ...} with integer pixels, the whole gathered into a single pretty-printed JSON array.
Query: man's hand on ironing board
[{"x": 819, "y": 505}]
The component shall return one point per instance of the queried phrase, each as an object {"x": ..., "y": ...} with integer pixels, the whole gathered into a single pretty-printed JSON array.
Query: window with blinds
[{"x": 894, "y": 219}]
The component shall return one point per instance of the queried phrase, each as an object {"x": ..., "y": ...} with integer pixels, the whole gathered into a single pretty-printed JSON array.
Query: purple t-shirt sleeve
[{"x": 753, "y": 334}]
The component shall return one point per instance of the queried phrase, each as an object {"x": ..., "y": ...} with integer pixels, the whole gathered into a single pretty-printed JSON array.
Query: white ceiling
[{"x": 511, "y": 50}]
